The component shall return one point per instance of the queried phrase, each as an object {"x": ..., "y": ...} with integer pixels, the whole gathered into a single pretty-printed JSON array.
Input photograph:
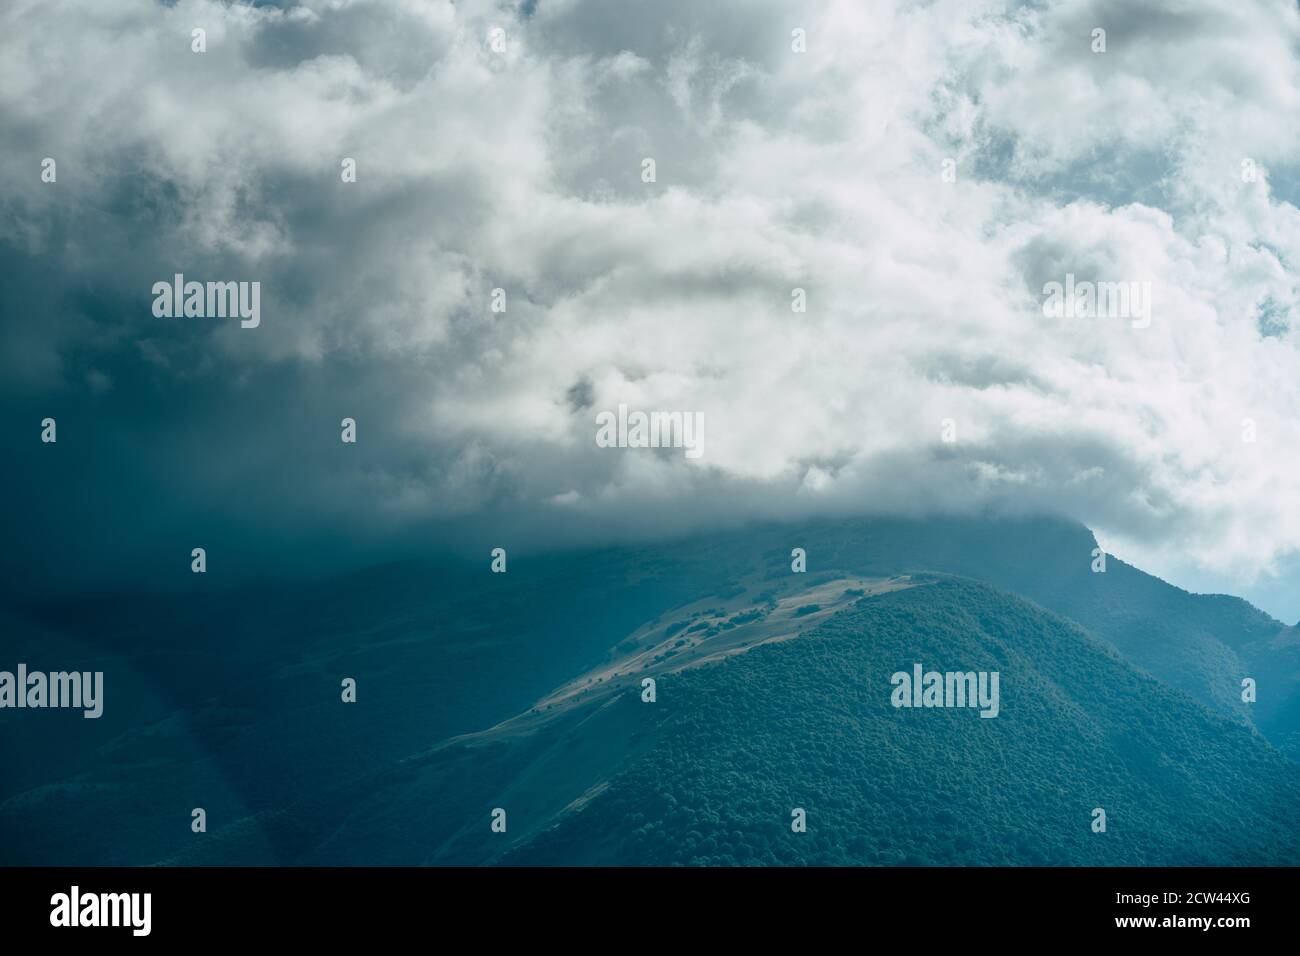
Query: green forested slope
[{"x": 808, "y": 723}]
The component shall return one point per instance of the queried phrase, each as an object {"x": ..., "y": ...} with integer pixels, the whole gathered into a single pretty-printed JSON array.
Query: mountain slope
[
  {"x": 809, "y": 724},
  {"x": 1202, "y": 644},
  {"x": 229, "y": 700},
  {"x": 710, "y": 772}
]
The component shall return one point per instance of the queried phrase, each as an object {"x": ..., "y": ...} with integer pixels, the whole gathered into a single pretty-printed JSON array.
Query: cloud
[{"x": 520, "y": 170}]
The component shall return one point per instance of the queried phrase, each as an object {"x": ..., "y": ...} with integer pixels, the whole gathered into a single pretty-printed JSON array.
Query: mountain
[
  {"x": 521, "y": 691},
  {"x": 809, "y": 724},
  {"x": 755, "y": 720},
  {"x": 1202, "y": 644}
]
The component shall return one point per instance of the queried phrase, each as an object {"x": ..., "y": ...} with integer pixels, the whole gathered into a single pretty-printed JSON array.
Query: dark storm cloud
[{"x": 520, "y": 169}]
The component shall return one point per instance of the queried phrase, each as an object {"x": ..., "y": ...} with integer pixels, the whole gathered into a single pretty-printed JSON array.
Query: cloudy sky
[{"x": 513, "y": 160}]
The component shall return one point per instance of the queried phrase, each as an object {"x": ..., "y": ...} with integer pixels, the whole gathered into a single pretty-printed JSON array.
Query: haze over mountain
[{"x": 918, "y": 171}]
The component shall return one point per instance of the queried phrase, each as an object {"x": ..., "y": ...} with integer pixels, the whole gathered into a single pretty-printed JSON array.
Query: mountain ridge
[{"x": 233, "y": 696}]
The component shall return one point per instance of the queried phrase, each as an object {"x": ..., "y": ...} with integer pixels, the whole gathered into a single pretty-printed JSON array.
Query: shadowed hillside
[
  {"x": 710, "y": 771},
  {"x": 229, "y": 699}
]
